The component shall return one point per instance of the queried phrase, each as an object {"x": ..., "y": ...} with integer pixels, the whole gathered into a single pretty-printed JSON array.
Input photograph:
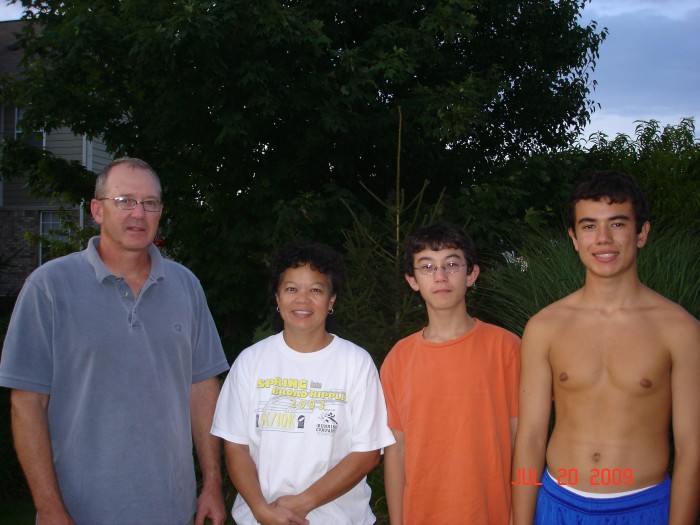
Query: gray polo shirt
[{"x": 118, "y": 372}]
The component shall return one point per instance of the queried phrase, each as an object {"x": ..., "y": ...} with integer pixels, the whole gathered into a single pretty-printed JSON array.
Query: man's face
[
  {"x": 442, "y": 289},
  {"x": 127, "y": 230},
  {"x": 605, "y": 236}
]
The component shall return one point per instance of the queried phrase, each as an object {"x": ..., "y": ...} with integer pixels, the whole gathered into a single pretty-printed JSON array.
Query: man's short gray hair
[{"x": 131, "y": 162}]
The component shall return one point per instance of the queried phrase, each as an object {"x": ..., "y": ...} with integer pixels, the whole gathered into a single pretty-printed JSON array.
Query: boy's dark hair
[
  {"x": 614, "y": 186},
  {"x": 439, "y": 236},
  {"x": 320, "y": 257}
]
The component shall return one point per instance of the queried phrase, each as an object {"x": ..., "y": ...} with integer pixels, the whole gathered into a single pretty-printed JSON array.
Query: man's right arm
[
  {"x": 535, "y": 403},
  {"x": 30, "y": 428},
  {"x": 395, "y": 477}
]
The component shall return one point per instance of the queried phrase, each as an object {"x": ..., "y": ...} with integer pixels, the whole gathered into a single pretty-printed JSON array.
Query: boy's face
[
  {"x": 447, "y": 287},
  {"x": 605, "y": 236}
]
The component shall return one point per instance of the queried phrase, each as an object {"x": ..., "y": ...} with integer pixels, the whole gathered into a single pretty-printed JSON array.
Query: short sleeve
[
  {"x": 512, "y": 374},
  {"x": 232, "y": 408},
  {"x": 27, "y": 356},
  {"x": 208, "y": 358},
  {"x": 389, "y": 387},
  {"x": 370, "y": 430}
]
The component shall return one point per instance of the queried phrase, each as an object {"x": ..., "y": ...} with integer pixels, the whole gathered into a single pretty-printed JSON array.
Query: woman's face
[{"x": 304, "y": 298}]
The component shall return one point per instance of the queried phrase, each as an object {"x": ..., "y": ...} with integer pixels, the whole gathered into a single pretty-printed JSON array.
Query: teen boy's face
[
  {"x": 605, "y": 236},
  {"x": 442, "y": 289}
]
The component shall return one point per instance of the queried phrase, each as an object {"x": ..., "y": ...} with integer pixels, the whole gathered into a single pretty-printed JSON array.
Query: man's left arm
[
  {"x": 685, "y": 392},
  {"x": 202, "y": 404}
]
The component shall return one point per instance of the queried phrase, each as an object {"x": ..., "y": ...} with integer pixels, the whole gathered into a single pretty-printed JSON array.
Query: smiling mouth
[{"x": 606, "y": 256}]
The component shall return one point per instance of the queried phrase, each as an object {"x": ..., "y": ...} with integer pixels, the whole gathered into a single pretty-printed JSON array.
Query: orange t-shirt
[{"x": 453, "y": 401}]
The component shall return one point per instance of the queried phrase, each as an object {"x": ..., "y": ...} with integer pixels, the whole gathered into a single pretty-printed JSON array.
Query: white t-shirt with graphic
[{"x": 301, "y": 414}]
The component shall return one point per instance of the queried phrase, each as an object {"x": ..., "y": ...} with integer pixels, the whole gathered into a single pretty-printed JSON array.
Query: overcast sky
[{"x": 648, "y": 66}]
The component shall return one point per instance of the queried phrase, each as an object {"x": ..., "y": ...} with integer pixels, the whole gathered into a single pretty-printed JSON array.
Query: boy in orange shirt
[{"x": 452, "y": 396}]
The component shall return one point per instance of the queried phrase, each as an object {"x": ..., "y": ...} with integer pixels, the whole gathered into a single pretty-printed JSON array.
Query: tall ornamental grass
[
  {"x": 669, "y": 264},
  {"x": 517, "y": 283}
]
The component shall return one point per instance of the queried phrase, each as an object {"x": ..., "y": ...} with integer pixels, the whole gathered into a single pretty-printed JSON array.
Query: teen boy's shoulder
[
  {"x": 407, "y": 343},
  {"x": 401, "y": 350},
  {"x": 557, "y": 314}
]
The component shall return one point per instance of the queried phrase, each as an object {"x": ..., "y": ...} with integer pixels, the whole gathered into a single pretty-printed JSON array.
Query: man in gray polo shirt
[{"x": 112, "y": 357}]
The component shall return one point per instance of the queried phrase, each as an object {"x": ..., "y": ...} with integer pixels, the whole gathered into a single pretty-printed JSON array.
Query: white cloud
[
  {"x": 647, "y": 67},
  {"x": 673, "y": 9},
  {"x": 10, "y": 12}
]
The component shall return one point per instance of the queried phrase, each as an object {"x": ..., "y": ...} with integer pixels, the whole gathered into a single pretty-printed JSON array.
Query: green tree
[
  {"x": 531, "y": 192},
  {"x": 378, "y": 307},
  {"x": 261, "y": 116},
  {"x": 526, "y": 269},
  {"x": 665, "y": 162}
]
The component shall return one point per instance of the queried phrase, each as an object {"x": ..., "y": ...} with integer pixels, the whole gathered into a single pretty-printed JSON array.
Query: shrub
[{"x": 516, "y": 284}]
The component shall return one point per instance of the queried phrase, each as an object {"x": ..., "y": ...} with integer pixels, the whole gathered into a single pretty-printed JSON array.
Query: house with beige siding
[{"x": 21, "y": 212}]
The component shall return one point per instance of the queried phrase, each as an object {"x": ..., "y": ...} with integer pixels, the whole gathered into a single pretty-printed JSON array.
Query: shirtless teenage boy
[{"x": 621, "y": 362}]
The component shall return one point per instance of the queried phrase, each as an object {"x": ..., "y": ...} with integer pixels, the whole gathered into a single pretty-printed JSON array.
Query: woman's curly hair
[{"x": 320, "y": 257}]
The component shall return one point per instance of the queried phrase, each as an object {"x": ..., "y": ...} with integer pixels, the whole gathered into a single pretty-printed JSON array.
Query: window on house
[
  {"x": 35, "y": 138},
  {"x": 50, "y": 224}
]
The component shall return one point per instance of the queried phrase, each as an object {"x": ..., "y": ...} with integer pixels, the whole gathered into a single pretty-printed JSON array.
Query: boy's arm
[
  {"x": 395, "y": 477},
  {"x": 685, "y": 392},
  {"x": 535, "y": 403},
  {"x": 513, "y": 424}
]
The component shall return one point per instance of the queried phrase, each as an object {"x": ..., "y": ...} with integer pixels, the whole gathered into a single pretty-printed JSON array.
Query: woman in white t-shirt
[{"x": 302, "y": 412}]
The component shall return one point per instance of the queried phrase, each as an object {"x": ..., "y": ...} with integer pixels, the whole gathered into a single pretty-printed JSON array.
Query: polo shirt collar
[{"x": 102, "y": 272}]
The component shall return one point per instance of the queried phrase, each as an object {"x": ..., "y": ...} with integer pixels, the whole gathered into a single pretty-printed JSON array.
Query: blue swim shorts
[{"x": 559, "y": 506}]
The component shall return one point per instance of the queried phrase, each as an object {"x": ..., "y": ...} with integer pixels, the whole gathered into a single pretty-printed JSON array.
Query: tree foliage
[
  {"x": 47, "y": 174},
  {"x": 263, "y": 117},
  {"x": 531, "y": 192},
  {"x": 536, "y": 266},
  {"x": 379, "y": 308},
  {"x": 666, "y": 163}
]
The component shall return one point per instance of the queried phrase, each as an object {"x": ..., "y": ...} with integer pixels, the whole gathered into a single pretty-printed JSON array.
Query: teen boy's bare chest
[{"x": 623, "y": 355}]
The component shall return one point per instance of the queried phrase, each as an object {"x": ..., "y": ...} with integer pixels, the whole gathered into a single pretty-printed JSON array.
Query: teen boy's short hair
[
  {"x": 439, "y": 236},
  {"x": 614, "y": 186},
  {"x": 320, "y": 257}
]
